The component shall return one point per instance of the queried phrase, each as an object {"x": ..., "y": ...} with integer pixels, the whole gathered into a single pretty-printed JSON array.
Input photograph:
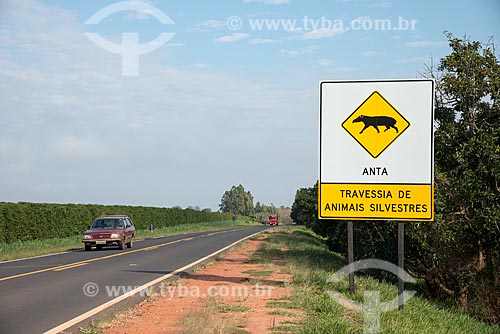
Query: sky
[{"x": 229, "y": 96}]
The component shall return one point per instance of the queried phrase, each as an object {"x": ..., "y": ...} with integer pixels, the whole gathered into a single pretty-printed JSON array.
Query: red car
[{"x": 109, "y": 231}]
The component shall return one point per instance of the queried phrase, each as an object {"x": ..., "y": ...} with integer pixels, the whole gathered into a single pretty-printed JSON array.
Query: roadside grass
[
  {"x": 305, "y": 256},
  {"x": 23, "y": 249},
  {"x": 215, "y": 317},
  {"x": 90, "y": 330},
  {"x": 259, "y": 273}
]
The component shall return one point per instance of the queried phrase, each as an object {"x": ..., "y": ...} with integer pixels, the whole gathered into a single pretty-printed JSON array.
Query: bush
[{"x": 34, "y": 221}]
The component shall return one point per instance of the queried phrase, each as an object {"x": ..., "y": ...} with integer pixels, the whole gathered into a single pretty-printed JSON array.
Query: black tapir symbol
[{"x": 377, "y": 121}]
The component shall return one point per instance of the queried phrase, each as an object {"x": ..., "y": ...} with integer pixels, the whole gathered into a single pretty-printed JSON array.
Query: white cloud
[
  {"x": 261, "y": 41},
  {"x": 173, "y": 45},
  {"x": 323, "y": 62},
  {"x": 199, "y": 66},
  {"x": 143, "y": 14},
  {"x": 231, "y": 38},
  {"x": 77, "y": 147},
  {"x": 6, "y": 37},
  {"x": 321, "y": 33},
  {"x": 14, "y": 71},
  {"x": 362, "y": 18},
  {"x": 60, "y": 100},
  {"x": 294, "y": 53},
  {"x": 411, "y": 60},
  {"x": 269, "y": 2},
  {"x": 383, "y": 4},
  {"x": 346, "y": 69},
  {"x": 209, "y": 25},
  {"x": 419, "y": 44},
  {"x": 372, "y": 53}
]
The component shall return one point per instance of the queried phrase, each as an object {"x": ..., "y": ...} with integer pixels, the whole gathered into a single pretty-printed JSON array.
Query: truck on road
[{"x": 273, "y": 220}]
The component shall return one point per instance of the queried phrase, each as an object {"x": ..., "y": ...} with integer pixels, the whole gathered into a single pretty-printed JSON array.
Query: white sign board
[{"x": 376, "y": 150}]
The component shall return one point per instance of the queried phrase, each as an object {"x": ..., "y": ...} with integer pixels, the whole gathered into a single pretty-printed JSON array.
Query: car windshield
[{"x": 107, "y": 223}]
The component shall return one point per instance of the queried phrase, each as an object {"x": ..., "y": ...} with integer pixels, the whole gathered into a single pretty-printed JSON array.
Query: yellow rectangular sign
[{"x": 376, "y": 201}]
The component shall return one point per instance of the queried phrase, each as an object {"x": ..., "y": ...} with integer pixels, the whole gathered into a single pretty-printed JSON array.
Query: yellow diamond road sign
[{"x": 375, "y": 124}]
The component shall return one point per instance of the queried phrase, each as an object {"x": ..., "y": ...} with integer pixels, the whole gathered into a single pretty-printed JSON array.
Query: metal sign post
[
  {"x": 401, "y": 264},
  {"x": 350, "y": 256}
]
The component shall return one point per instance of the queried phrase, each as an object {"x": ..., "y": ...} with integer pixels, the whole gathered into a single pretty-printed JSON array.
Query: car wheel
[
  {"x": 88, "y": 247},
  {"x": 121, "y": 245},
  {"x": 129, "y": 244}
]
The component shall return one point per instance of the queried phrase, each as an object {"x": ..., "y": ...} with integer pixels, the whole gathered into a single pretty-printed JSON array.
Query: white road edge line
[
  {"x": 112, "y": 302},
  {"x": 35, "y": 257}
]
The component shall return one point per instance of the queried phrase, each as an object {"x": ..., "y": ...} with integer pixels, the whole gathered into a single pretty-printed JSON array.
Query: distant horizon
[{"x": 192, "y": 207}]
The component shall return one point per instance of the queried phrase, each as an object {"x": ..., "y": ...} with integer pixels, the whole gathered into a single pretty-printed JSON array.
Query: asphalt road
[{"x": 39, "y": 294}]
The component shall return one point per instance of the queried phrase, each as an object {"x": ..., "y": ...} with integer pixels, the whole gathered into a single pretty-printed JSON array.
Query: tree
[
  {"x": 258, "y": 207},
  {"x": 305, "y": 206},
  {"x": 460, "y": 252},
  {"x": 237, "y": 201}
]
